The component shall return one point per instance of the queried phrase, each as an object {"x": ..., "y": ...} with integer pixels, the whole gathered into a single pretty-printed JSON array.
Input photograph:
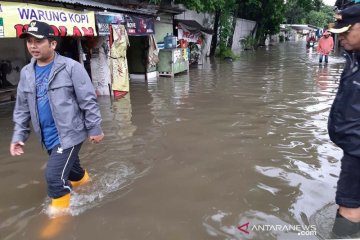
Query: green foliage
[
  {"x": 226, "y": 26},
  {"x": 227, "y": 53},
  {"x": 226, "y": 8},
  {"x": 320, "y": 18},
  {"x": 316, "y": 18},
  {"x": 309, "y": 5},
  {"x": 156, "y": 2},
  {"x": 273, "y": 16},
  {"x": 197, "y": 5},
  {"x": 248, "y": 43},
  {"x": 203, "y": 5},
  {"x": 312, "y": 12},
  {"x": 294, "y": 12},
  {"x": 250, "y": 9},
  {"x": 267, "y": 14}
]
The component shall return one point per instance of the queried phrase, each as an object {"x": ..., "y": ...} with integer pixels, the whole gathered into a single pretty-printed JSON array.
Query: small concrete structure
[{"x": 242, "y": 30}]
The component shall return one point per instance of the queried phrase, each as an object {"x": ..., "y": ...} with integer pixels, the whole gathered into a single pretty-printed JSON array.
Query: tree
[
  {"x": 294, "y": 13},
  {"x": 234, "y": 20},
  {"x": 321, "y": 18},
  {"x": 268, "y": 14},
  {"x": 215, "y": 34},
  {"x": 203, "y": 5},
  {"x": 221, "y": 9},
  {"x": 313, "y": 12},
  {"x": 227, "y": 17}
]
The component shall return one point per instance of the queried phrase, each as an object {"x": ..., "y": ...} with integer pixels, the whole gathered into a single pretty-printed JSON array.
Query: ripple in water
[{"x": 99, "y": 188}]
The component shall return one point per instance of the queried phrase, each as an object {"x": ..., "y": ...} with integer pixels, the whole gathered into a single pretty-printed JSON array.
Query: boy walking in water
[{"x": 57, "y": 95}]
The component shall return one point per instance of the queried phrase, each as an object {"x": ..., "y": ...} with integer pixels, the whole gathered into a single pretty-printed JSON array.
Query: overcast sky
[{"x": 329, "y": 2}]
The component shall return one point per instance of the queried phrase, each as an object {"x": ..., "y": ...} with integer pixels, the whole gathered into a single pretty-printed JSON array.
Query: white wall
[
  {"x": 163, "y": 27},
  {"x": 14, "y": 50},
  {"x": 243, "y": 29}
]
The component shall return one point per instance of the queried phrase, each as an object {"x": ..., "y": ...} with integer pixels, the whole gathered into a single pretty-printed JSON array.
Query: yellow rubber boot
[
  {"x": 61, "y": 202},
  {"x": 59, "y": 206},
  {"x": 59, "y": 217},
  {"x": 85, "y": 179}
]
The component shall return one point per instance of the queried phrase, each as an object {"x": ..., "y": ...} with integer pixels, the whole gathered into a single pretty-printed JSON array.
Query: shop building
[{"x": 80, "y": 31}]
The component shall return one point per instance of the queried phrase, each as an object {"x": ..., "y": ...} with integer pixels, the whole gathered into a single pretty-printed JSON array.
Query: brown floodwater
[{"x": 230, "y": 148}]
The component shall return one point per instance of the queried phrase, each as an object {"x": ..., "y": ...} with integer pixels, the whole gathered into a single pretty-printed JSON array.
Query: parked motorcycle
[{"x": 310, "y": 44}]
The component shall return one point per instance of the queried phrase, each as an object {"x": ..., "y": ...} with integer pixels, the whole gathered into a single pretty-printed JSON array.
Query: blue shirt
[{"x": 47, "y": 124}]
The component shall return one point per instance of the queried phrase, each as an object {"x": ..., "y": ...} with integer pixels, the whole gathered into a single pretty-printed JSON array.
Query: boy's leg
[
  {"x": 76, "y": 172},
  {"x": 57, "y": 173},
  {"x": 78, "y": 176},
  {"x": 326, "y": 58},
  {"x": 320, "y": 58}
]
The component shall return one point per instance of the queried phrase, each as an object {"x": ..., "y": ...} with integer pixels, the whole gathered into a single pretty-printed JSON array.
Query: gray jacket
[{"x": 72, "y": 101}]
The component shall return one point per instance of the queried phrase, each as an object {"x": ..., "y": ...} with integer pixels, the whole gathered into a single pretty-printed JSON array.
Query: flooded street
[{"x": 232, "y": 144}]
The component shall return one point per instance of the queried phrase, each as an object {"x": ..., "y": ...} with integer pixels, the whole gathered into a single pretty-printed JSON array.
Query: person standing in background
[
  {"x": 325, "y": 46},
  {"x": 310, "y": 40}
]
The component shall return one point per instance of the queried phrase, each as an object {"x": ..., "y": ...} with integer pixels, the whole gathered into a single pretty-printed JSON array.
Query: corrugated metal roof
[
  {"x": 90, "y": 3},
  {"x": 193, "y": 25}
]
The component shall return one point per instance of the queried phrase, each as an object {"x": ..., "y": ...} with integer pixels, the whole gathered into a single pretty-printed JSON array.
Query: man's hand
[
  {"x": 96, "y": 139},
  {"x": 16, "y": 149}
]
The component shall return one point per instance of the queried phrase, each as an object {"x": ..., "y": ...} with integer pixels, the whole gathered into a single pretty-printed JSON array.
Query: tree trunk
[
  {"x": 231, "y": 37},
  {"x": 215, "y": 34},
  {"x": 260, "y": 35}
]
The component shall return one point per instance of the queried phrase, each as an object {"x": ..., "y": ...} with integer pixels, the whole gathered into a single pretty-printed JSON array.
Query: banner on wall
[
  {"x": 139, "y": 25},
  {"x": 191, "y": 30},
  {"x": 103, "y": 20},
  {"x": 15, "y": 17},
  {"x": 194, "y": 37}
]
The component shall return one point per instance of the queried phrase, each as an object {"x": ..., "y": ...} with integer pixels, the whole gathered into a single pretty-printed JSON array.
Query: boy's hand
[
  {"x": 16, "y": 149},
  {"x": 96, "y": 139}
]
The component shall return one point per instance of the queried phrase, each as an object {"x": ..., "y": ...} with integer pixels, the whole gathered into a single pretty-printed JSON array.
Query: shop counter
[{"x": 173, "y": 61}]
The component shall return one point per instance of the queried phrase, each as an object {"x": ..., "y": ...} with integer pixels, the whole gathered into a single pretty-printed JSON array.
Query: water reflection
[{"x": 301, "y": 162}]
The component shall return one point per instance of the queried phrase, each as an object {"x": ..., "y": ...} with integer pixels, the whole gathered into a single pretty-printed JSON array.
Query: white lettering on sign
[
  {"x": 78, "y": 18},
  {"x": 131, "y": 25},
  {"x": 42, "y": 15},
  {"x": 48, "y": 15}
]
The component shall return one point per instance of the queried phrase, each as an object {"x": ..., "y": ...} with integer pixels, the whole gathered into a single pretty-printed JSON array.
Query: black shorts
[{"x": 63, "y": 166}]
